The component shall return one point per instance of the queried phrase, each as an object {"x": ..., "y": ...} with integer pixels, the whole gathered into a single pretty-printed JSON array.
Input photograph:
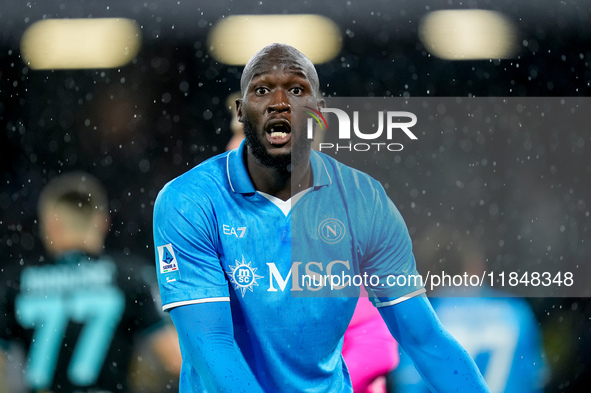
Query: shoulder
[
  {"x": 13, "y": 271},
  {"x": 11, "y": 274},
  {"x": 365, "y": 198},
  {"x": 348, "y": 177},
  {"x": 197, "y": 184}
]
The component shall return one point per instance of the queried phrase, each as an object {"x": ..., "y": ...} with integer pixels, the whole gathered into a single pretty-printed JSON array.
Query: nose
[{"x": 279, "y": 103}]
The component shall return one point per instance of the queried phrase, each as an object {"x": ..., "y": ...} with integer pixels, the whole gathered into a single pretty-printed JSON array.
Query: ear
[
  {"x": 51, "y": 224},
  {"x": 321, "y": 103},
  {"x": 239, "y": 109},
  {"x": 51, "y": 231},
  {"x": 102, "y": 223}
]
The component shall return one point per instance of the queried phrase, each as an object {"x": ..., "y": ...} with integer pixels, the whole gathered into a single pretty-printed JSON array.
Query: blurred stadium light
[
  {"x": 80, "y": 43},
  {"x": 235, "y": 39},
  {"x": 468, "y": 35}
]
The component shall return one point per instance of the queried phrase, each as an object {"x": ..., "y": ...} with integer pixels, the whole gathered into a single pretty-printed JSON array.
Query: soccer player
[
  {"x": 77, "y": 312},
  {"x": 501, "y": 335},
  {"x": 244, "y": 240},
  {"x": 500, "y": 332}
]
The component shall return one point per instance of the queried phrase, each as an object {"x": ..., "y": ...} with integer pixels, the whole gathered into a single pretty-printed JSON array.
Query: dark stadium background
[{"x": 141, "y": 125}]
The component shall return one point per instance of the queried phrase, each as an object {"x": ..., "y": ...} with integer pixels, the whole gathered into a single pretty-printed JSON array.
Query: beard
[{"x": 282, "y": 163}]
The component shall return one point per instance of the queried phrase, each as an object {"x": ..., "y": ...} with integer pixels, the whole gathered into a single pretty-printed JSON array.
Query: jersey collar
[
  {"x": 73, "y": 257},
  {"x": 240, "y": 180},
  {"x": 236, "y": 171},
  {"x": 319, "y": 169}
]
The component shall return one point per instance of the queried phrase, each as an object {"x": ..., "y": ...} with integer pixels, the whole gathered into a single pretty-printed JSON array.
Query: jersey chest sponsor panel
[
  {"x": 271, "y": 273},
  {"x": 292, "y": 254}
]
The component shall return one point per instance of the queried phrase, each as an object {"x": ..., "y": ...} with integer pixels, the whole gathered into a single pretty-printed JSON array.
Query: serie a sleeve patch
[{"x": 169, "y": 267}]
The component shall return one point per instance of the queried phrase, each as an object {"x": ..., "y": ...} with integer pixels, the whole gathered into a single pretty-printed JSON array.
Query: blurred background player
[
  {"x": 499, "y": 332},
  {"x": 369, "y": 349},
  {"x": 78, "y": 312}
]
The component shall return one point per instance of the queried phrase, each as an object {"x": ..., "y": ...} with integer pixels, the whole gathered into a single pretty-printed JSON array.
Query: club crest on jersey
[
  {"x": 167, "y": 262},
  {"x": 243, "y": 276},
  {"x": 331, "y": 230}
]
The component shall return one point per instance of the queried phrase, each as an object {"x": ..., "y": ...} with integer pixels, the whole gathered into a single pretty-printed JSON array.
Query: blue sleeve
[
  {"x": 388, "y": 253},
  {"x": 207, "y": 344},
  {"x": 406, "y": 377},
  {"x": 440, "y": 359}
]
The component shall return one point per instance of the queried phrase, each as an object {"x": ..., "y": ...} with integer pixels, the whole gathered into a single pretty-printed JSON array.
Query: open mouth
[{"x": 278, "y": 132}]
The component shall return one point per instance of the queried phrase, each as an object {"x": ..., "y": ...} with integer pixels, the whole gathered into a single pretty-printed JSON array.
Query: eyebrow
[{"x": 292, "y": 71}]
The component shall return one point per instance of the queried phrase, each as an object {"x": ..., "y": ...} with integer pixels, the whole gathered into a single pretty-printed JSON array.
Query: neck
[
  {"x": 281, "y": 184},
  {"x": 88, "y": 244}
]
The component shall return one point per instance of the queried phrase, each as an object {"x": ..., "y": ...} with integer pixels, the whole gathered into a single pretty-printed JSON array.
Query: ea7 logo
[
  {"x": 345, "y": 124},
  {"x": 238, "y": 232}
]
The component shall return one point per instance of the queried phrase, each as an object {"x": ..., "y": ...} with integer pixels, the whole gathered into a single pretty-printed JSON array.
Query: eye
[
  {"x": 297, "y": 90},
  {"x": 261, "y": 90}
]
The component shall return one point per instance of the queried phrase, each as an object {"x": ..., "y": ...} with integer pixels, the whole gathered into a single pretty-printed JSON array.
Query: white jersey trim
[
  {"x": 187, "y": 302},
  {"x": 327, "y": 173},
  {"x": 228, "y": 170},
  {"x": 401, "y": 299},
  {"x": 285, "y": 206}
]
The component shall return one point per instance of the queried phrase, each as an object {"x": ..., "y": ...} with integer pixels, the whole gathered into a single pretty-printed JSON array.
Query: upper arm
[
  {"x": 185, "y": 240},
  {"x": 412, "y": 322},
  {"x": 199, "y": 323}
]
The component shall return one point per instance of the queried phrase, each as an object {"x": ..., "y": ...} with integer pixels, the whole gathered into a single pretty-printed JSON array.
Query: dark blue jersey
[{"x": 76, "y": 318}]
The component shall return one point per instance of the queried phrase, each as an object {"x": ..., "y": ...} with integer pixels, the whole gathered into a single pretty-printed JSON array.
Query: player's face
[{"x": 273, "y": 115}]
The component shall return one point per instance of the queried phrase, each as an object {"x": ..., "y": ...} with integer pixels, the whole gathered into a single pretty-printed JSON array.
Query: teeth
[{"x": 277, "y": 134}]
